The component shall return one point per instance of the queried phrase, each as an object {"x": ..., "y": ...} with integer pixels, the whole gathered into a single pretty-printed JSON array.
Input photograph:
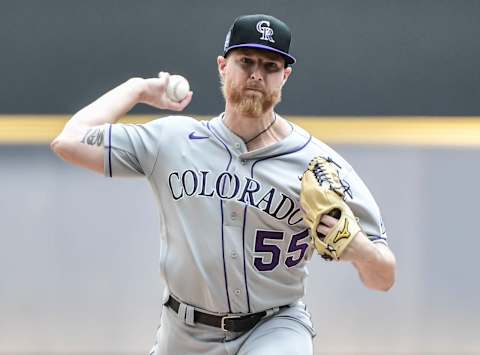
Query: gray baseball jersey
[{"x": 232, "y": 235}]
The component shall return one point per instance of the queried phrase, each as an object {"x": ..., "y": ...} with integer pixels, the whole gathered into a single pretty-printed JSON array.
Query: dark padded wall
[{"x": 354, "y": 57}]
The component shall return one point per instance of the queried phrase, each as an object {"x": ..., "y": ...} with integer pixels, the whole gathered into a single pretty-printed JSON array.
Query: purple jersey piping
[
  {"x": 294, "y": 150},
  {"x": 376, "y": 238},
  {"x": 211, "y": 129},
  {"x": 244, "y": 263},
  {"x": 110, "y": 149}
]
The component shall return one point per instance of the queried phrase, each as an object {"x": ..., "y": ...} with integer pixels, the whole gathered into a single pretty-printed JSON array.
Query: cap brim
[{"x": 288, "y": 58}]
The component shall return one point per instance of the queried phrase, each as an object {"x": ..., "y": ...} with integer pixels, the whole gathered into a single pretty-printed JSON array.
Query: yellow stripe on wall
[
  {"x": 374, "y": 130},
  {"x": 451, "y": 131}
]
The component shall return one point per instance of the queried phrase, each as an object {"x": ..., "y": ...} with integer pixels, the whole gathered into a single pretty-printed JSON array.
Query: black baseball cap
[{"x": 261, "y": 32}]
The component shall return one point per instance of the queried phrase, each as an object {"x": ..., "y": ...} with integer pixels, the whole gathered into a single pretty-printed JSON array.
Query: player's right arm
[{"x": 81, "y": 140}]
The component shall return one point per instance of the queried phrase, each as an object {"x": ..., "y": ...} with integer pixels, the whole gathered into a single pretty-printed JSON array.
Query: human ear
[
  {"x": 221, "y": 63},
  {"x": 286, "y": 73}
]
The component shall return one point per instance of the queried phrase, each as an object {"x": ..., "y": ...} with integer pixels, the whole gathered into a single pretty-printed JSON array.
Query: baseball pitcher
[{"x": 245, "y": 199}]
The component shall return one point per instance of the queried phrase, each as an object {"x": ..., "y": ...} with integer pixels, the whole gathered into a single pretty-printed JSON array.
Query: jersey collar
[{"x": 294, "y": 141}]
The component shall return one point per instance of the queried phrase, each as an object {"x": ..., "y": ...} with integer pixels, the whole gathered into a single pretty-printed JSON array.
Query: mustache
[{"x": 254, "y": 86}]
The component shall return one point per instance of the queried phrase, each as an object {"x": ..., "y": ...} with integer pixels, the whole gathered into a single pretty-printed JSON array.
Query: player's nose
[{"x": 256, "y": 73}]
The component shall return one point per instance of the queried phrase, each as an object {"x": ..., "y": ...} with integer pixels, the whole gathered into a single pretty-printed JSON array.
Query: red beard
[{"x": 250, "y": 100}]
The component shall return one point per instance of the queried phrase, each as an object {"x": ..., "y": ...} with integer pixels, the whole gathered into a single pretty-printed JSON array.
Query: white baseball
[{"x": 178, "y": 88}]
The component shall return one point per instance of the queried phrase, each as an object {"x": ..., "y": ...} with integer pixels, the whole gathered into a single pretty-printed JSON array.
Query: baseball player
[{"x": 234, "y": 243}]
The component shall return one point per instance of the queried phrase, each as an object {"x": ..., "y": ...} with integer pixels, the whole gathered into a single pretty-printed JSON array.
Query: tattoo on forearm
[{"x": 93, "y": 137}]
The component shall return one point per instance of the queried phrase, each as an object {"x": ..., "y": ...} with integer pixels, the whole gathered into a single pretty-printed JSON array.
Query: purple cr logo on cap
[{"x": 264, "y": 28}]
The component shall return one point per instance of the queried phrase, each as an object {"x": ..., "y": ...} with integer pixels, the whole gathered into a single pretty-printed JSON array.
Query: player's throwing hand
[{"x": 154, "y": 93}]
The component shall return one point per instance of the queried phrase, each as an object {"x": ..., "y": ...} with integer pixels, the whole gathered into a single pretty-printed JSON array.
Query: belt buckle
[{"x": 222, "y": 324}]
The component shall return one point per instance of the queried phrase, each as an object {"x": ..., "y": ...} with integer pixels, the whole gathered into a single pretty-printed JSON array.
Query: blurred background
[{"x": 393, "y": 85}]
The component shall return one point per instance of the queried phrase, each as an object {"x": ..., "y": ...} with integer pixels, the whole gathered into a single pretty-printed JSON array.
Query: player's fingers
[
  {"x": 328, "y": 220},
  {"x": 323, "y": 229},
  {"x": 186, "y": 100},
  {"x": 179, "y": 106},
  {"x": 164, "y": 77},
  {"x": 163, "y": 74}
]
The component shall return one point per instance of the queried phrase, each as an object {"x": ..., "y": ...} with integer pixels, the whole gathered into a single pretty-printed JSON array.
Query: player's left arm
[{"x": 375, "y": 262}]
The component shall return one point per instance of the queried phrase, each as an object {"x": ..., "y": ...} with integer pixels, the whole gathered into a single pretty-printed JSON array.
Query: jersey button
[
  {"x": 237, "y": 292},
  {"x": 243, "y": 162},
  {"x": 233, "y": 254},
  {"x": 233, "y": 215},
  {"x": 237, "y": 146}
]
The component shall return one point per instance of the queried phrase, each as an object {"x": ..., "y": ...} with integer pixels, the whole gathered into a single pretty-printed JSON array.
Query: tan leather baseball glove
[{"x": 323, "y": 193}]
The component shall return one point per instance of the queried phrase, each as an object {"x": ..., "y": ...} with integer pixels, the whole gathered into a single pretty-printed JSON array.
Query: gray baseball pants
[{"x": 288, "y": 332}]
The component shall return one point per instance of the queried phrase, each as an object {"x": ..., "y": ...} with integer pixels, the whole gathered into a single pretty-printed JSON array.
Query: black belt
[{"x": 231, "y": 323}]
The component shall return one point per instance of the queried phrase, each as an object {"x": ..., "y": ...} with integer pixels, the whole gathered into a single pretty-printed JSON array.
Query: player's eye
[
  {"x": 246, "y": 61},
  {"x": 272, "y": 66}
]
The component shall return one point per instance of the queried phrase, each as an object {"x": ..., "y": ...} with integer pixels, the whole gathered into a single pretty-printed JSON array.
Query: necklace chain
[{"x": 262, "y": 132}]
